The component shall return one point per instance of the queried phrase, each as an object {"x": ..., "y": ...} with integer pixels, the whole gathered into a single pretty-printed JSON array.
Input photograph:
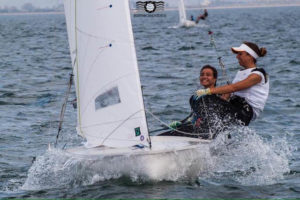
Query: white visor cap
[{"x": 244, "y": 47}]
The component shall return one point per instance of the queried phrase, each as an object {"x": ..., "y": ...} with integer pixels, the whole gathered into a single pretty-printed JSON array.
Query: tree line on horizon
[{"x": 28, "y": 7}]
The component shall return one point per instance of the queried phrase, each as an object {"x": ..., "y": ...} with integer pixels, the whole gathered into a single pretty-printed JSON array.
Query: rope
[{"x": 167, "y": 125}]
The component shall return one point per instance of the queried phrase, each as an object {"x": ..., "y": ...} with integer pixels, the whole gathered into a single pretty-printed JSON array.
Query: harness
[{"x": 263, "y": 72}]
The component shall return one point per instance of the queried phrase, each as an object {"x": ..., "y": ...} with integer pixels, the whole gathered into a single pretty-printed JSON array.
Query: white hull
[
  {"x": 188, "y": 23},
  {"x": 160, "y": 145}
]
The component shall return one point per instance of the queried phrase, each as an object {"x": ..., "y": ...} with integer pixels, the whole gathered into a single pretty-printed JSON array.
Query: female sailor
[
  {"x": 197, "y": 123},
  {"x": 250, "y": 88}
]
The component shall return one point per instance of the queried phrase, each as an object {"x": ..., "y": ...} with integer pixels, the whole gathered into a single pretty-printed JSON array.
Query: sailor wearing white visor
[{"x": 250, "y": 88}]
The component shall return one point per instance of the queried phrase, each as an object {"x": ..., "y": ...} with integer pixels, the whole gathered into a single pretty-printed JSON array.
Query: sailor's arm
[{"x": 251, "y": 80}]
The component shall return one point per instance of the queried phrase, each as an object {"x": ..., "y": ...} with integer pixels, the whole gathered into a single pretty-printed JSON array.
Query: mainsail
[
  {"x": 109, "y": 97},
  {"x": 182, "y": 14}
]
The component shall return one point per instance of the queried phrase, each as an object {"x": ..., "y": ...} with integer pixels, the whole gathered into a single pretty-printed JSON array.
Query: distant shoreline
[
  {"x": 32, "y": 13},
  {"x": 235, "y": 7},
  {"x": 166, "y": 9},
  {"x": 245, "y": 6}
]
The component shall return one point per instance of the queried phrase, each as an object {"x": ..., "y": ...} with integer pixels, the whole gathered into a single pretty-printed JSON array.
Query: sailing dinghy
[
  {"x": 183, "y": 22},
  {"x": 110, "y": 109}
]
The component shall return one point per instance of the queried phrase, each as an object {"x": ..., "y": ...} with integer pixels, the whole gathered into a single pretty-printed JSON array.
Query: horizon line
[{"x": 166, "y": 9}]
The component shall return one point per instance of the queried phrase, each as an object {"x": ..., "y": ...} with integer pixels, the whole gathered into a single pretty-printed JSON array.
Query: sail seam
[
  {"x": 91, "y": 35},
  {"x": 93, "y": 64},
  {"x": 120, "y": 126},
  {"x": 106, "y": 123}
]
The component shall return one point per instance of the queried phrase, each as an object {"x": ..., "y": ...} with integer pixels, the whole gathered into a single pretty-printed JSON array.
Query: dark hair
[
  {"x": 215, "y": 72},
  {"x": 261, "y": 52}
]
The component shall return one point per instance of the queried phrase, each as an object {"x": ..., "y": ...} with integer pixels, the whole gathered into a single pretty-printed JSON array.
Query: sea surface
[{"x": 261, "y": 161}]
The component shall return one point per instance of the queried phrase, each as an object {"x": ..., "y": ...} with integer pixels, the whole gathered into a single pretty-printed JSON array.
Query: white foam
[{"x": 246, "y": 158}]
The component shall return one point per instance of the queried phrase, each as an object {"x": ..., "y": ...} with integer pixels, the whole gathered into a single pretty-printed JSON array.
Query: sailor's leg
[{"x": 242, "y": 110}]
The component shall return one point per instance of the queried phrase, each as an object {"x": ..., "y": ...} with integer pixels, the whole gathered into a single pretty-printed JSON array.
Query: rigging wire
[
  {"x": 63, "y": 108},
  {"x": 219, "y": 57},
  {"x": 222, "y": 65}
]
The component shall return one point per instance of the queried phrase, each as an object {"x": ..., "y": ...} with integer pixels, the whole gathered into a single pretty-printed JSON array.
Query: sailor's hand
[
  {"x": 202, "y": 92},
  {"x": 175, "y": 124}
]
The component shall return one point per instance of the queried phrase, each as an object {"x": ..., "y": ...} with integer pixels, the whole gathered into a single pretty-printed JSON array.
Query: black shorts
[
  {"x": 242, "y": 110},
  {"x": 236, "y": 110},
  {"x": 211, "y": 115}
]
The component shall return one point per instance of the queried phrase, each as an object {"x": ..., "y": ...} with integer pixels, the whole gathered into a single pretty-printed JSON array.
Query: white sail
[
  {"x": 182, "y": 14},
  {"x": 183, "y": 22},
  {"x": 109, "y": 96}
]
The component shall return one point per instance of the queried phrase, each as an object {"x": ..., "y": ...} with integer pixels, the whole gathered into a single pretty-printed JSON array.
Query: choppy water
[{"x": 261, "y": 161}]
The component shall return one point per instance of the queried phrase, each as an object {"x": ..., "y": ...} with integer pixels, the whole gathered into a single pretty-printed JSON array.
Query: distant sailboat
[
  {"x": 182, "y": 16},
  {"x": 111, "y": 114}
]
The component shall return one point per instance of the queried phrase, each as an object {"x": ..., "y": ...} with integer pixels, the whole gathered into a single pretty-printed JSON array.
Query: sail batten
[{"x": 111, "y": 109}]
